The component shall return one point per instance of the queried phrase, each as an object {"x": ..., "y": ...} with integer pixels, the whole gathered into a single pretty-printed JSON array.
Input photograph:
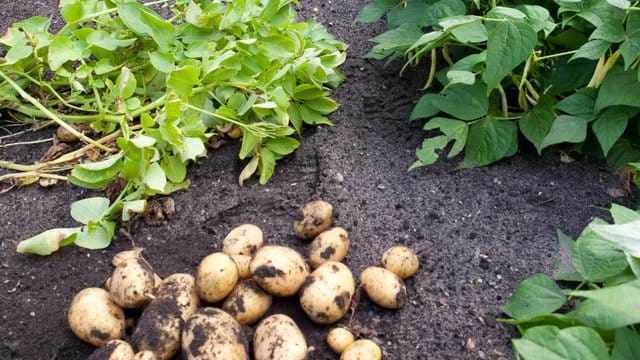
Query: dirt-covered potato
[
  {"x": 277, "y": 337},
  {"x": 279, "y": 270},
  {"x": 247, "y": 303},
  {"x": 127, "y": 254},
  {"x": 401, "y": 261},
  {"x": 242, "y": 262},
  {"x": 339, "y": 339},
  {"x": 65, "y": 135},
  {"x": 384, "y": 287},
  {"x": 243, "y": 240},
  {"x": 326, "y": 294},
  {"x": 132, "y": 283},
  {"x": 160, "y": 325},
  {"x": 314, "y": 218},
  {"x": 363, "y": 349},
  {"x": 212, "y": 334},
  {"x": 216, "y": 276},
  {"x": 95, "y": 318},
  {"x": 113, "y": 350},
  {"x": 332, "y": 244},
  {"x": 144, "y": 355}
]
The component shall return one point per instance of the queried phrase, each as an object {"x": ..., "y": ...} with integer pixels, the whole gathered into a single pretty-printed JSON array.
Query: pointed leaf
[
  {"x": 611, "y": 307},
  {"x": 535, "y": 296},
  {"x": 47, "y": 242},
  {"x": 535, "y": 124},
  {"x": 89, "y": 209},
  {"x": 98, "y": 237},
  {"x": 551, "y": 343},
  {"x": 489, "y": 140}
]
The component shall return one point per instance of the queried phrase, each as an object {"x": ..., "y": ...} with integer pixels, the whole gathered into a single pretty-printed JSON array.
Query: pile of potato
[{"x": 176, "y": 313}]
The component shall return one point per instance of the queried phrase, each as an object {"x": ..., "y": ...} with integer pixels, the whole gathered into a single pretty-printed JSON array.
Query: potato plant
[{"x": 146, "y": 94}]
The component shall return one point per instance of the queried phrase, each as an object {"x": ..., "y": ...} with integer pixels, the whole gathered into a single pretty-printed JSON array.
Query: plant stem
[
  {"x": 25, "y": 143},
  {"x": 432, "y": 69},
  {"x": 505, "y": 105},
  {"x": 32, "y": 173},
  {"x": 551, "y": 56}
]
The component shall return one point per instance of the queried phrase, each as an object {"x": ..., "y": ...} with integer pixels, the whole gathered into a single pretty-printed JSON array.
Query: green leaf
[
  {"x": 626, "y": 236},
  {"x": 565, "y": 128},
  {"x": 145, "y": 22},
  {"x": 182, "y": 80},
  {"x": 460, "y": 77},
  {"x": 611, "y": 31},
  {"x": 104, "y": 40},
  {"x": 622, "y": 4},
  {"x": 489, "y": 140},
  {"x": 509, "y": 45},
  {"x": 630, "y": 47},
  {"x": 17, "y": 53},
  {"x": 174, "y": 168},
  {"x": 424, "y": 107},
  {"x": 96, "y": 237},
  {"x": 282, "y": 145},
  {"x": 155, "y": 178},
  {"x": 623, "y": 215},
  {"x": 578, "y": 104},
  {"x": 595, "y": 258},
  {"x": 278, "y": 46},
  {"x": 610, "y": 307},
  {"x": 89, "y": 209},
  {"x": 564, "y": 270},
  {"x": 193, "y": 149},
  {"x": 98, "y": 174},
  {"x": 609, "y": 127},
  {"x": 249, "y": 141},
  {"x": 618, "y": 88},
  {"x": 322, "y": 105},
  {"x": 453, "y": 130},
  {"x": 535, "y": 296},
  {"x": 267, "y": 165},
  {"x": 551, "y": 343},
  {"x": 126, "y": 83},
  {"x": 373, "y": 11},
  {"x": 428, "y": 153},
  {"x": 248, "y": 170},
  {"x": 468, "y": 28},
  {"x": 465, "y": 102},
  {"x": 162, "y": 61},
  {"x": 61, "y": 50},
  {"x": 592, "y": 50},
  {"x": 134, "y": 206},
  {"x": 398, "y": 39},
  {"x": 626, "y": 345},
  {"x": 535, "y": 124},
  {"x": 47, "y": 242}
]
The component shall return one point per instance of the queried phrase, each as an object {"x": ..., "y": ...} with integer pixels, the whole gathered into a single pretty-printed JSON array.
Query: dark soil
[{"x": 478, "y": 232}]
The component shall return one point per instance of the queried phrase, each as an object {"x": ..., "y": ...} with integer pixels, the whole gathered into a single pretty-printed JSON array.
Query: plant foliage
[
  {"x": 563, "y": 71},
  {"x": 597, "y": 317},
  {"x": 154, "y": 90}
]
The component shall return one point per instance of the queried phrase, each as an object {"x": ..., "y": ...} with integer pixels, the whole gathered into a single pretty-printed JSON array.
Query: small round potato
[
  {"x": 339, "y": 339},
  {"x": 132, "y": 283},
  {"x": 314, "y": 218},
  {"x": 243, "y": 240},
  {"x": 326, "y": 294},
  {"x": 401, "y": 261},
  {"x": 212, "y": 334},
  {"x": 144, "y": 355},
  {"x": 65, "y": 135},
  {"x": 247, "y": 303},
  {"x": 160, "y": 324},
  {"x": 95, "y": 318},
  {"x": 362, "y": 349},
  {"x": 332, "y": 244},
  {"x": 279, "y": 270},
  {"x": 277, "y": 337},
  {"x": 384, "y": 287},
  {"x": 113, "y": 350},
  {"x": 216, "y": 276},
  {"x": 242, "y": 262},
  {"x": 127, "y": 254}
]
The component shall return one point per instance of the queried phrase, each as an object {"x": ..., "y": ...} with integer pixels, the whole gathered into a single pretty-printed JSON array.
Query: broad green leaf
[
  {"x": 278, "y": 46},
  {"x": 282, "y": 145},
  {"x": 162, "y": 61},
  {"x": 622, "y": 154},
  {"x": 174, "y": 168},
  {"x": 618, "y": 88},
  {"x": 467, "y": 28},
  {"x": 182, "y": 80},
  {"x": 592, "y": 50},
  {"x": 398, "y": 39},
  {"x": 622, "y": 4},
  {"x": 126, "y": 83},
  {"x": 135, "y": 206},
  {"x": 595, "y": 258},
  {"x": 96, "y": 175},
  {"x": 453, "y": 130},
  {"x": 564, "y": 269},
  {"x": 634, "y": 265},
  {"x": 503, "y": 12},
  {"x": 193, "y": 149},
  {"x": 98, "y": 237},
  {"x": 578, "y": 104},
  {"x": 626, "y": 236},
  {"x": 630, "y": 47},
  {"x": 609, "y": 127},
  {"x": 428, "y": 153},
  {"x": 424, "y": 107},
  {"x": 17, "y": 53},
  {"x": 155, "y": 177},
  {"x": 565, "y": 128},
  {"x": 460, "y": 77},
  {"x": 623, "y": 215},
  {"x": 249, "y": 141},
  {"x": 145, "y": 22},
  {"x": 626, "y": 345},
  {"x": 267, "y": 165},
  {"x": 551, "y": 343},
  {"x": 611, "y": 30},
  {"x": 558, "y": 320},
  {"x": 539, "y": 18},
  {"x": 536, "y": 123},
  {"x": 537, "y": 295},
  {"x": 89, "y": 209},
  {"x": 465, "y": 102},
  {"x": 47, "y": 242},
  {"x": 373, "y": 11},
  {"x": 106, "y": 41},
  {"x": 509, "y": 45},
  {"x": 143, "y": 141},
  {"x": 61, "y": 50},
  {"x": 610, "y": 307},
  {"x": 489, "y": 140},
  {"x": 322, "y": 105}
]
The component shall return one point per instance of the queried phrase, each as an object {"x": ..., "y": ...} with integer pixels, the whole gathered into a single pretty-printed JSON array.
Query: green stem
[
  {"x": 551, "y": 56},
  {"x": 51, "y": 89}
]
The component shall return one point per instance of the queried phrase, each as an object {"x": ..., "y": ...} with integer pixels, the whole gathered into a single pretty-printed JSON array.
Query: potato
[
  {"x": 144, "y": 355},
  {"x": 65, "y": 135},
  {"x": 127, "y": 254},
  {"x": 216, "y": 276},
  {"x": 243, "y": 240},
  {"x": 277, "y": 337},
  {"x": 247, "y": 303},
  {"x": 212, "y": 334},
  {"x": 362, "y": 349},
  {"x": 339, "y": 339},
  {"x": 331, "y": 244},
  {"x": 95, "y": 318},
  {"x": 401, "y": 261},
  {"x": 113, "y": 350},
  {"x": 278, "y": 270},
  {"x": 242, "y": 262},
  {"x": 315, "y": 217},
  {"x": 384, "y": 287},
  {"x": 160, "y": 325},
  {"x": 326, "y": 294},
  {"x": 132, "y": 283}
]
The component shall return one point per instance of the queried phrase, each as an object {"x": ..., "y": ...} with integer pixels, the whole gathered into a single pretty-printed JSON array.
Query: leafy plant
[
  {"x": 596, "y": 318},
  {"x": 155, "y": 90},
  {"x": 513, "y": 68}
]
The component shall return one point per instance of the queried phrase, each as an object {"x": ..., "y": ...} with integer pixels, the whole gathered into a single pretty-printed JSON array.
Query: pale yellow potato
[
  {"x": 363, "y": 349},
  {"x": 279, "y": 270},
  {"x": 144, "y": 355},
  {"x": 212, "y": 334},
  {"x": 94, "y": 317},
  {"x": 401, "y": 261},
  {"x": 384, "y": 287},
  {"x": 313, "y": 218},
  {"x": 278, "y": 337},
  {"x": 339, "y": 339},
  {"x": 127, "y": 254},
  {"x": 326, "y": 294},
  {"x": 113, "y": 350},
  {"x": 329, "y": 245},
  {"x": 243, "y": 240},
  {"x": 132, "y": 283},
  {"x": 247, "y": 303},
  {"x": 242, "y": 262},
  {"x": 216, "y": 276}
]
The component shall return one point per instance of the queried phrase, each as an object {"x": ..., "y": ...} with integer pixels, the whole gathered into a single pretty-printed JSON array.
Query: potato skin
[
  {"x": 160, "y": 325},
  {"x": 314, "y": 218},
  {"x": 326, "y": 294},
  {"x": 212, "y": 334},
  {"x": 113, "y": 350},
  {"x": 247, "y": 303},
  {"x": 329, "y": 245},
  {"x": 384, "y": 287},
  {"x": 279, "y": 270},
  {"x": 242, "y": 262},
  {"x": 216, "y": 276},
  {"x": 144, "y": 355},
  {"x": 401, "y": 261},
  {"x": 245, "y": 239},
  {"x": 363, "y": 349},
  {"x": 277, "y": 337},
  {"x": 339, "y": 339},
  {"x": 132, "y": 283},
  {"x": 95, "y": 318}
]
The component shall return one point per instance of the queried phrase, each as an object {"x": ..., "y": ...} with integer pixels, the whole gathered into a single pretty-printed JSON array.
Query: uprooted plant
[{"x": 145, "y": 94}]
